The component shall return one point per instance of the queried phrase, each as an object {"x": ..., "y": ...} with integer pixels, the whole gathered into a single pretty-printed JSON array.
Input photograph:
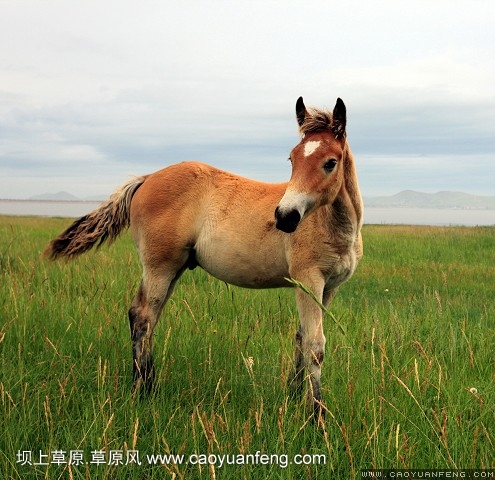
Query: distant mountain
[
  {"x": 410, "y": 198},
  {"x": 66, "y": 197},
  {"x": 60, "y": 196}
]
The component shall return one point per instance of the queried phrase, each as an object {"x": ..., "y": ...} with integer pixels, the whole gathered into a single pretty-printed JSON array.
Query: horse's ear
[
  {"x": 339, "y": 119},
  {"x": 300, "y": 111}
]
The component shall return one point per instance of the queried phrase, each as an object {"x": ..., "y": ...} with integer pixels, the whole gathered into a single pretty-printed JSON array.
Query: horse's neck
[{"x": 346, "y": 212}]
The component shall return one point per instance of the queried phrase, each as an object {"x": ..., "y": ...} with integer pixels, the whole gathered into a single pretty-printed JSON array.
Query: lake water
[
  {"x": 372, "y": 215},
  {"x": 429, "y": 216},
  {"x": 46, "y": 208}
]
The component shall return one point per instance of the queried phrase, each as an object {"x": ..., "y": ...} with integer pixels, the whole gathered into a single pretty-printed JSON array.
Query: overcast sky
[{"x": 92, "y": 92}]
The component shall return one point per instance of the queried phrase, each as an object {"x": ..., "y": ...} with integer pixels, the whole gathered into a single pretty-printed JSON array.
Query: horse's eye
[{"x": 329, "y": 165}]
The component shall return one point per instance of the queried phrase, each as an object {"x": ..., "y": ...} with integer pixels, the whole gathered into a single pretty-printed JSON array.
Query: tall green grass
[{"x": 410, "y": 382}]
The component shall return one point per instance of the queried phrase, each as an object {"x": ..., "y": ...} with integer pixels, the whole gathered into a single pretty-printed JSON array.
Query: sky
[{"x": 92, "y": 92}]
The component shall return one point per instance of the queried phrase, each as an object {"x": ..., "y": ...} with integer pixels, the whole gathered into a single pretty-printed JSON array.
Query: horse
[{"x": 304, "y": 232}]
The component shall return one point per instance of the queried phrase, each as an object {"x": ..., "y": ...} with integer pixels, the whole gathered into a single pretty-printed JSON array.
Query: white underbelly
[{"x": 240, "y": 262}]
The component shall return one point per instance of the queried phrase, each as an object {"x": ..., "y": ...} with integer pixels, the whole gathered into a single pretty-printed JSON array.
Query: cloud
[{"x": 89, "y": 97}]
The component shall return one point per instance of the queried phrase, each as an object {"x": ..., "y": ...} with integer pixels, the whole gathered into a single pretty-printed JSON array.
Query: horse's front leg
[
  {"x": 310, "y": 340},
  {"x": 296, "y": 377}
]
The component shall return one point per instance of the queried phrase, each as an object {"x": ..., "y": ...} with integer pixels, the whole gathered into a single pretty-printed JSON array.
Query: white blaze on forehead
[{"x": 310, "y": 147}]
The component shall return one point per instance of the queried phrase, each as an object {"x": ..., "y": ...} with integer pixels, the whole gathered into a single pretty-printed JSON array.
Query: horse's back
[{"x": 189, "y": 187}]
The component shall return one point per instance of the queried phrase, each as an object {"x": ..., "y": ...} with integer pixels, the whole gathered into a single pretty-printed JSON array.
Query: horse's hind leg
[{"x": 155, "y": 289}]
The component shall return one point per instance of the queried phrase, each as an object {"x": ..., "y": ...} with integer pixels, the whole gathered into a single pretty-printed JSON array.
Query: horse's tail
[{"x": 103, "y": 224}]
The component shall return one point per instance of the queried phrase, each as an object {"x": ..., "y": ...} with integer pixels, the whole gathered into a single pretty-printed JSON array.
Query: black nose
[{"x": 287, "y": 221}]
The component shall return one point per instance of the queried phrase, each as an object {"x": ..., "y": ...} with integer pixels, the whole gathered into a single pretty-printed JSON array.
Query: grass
[{"x": 408, "y": 383}]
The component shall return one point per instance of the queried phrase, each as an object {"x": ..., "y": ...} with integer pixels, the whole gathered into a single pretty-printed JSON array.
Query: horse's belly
[{"x": 251, "y": 268}]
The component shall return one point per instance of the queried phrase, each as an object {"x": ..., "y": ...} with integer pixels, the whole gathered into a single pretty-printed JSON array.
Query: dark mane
[{"x": 316, "y": 120}]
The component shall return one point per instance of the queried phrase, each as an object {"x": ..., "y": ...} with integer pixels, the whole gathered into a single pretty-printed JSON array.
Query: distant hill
[
  {"x": 60, "y": 196},
  {"x": 410, "y": 198},
  {"x": 66, "y": 197}
]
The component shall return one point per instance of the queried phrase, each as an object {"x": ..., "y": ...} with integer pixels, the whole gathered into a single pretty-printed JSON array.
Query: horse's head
[{"x": 317, "y": 164}]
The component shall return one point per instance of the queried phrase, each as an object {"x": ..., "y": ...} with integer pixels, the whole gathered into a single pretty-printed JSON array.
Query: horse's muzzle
[{"x": 287, "y": 221}]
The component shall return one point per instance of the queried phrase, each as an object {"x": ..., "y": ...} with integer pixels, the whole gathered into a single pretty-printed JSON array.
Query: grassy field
[{"x": 409, "y": 384}]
